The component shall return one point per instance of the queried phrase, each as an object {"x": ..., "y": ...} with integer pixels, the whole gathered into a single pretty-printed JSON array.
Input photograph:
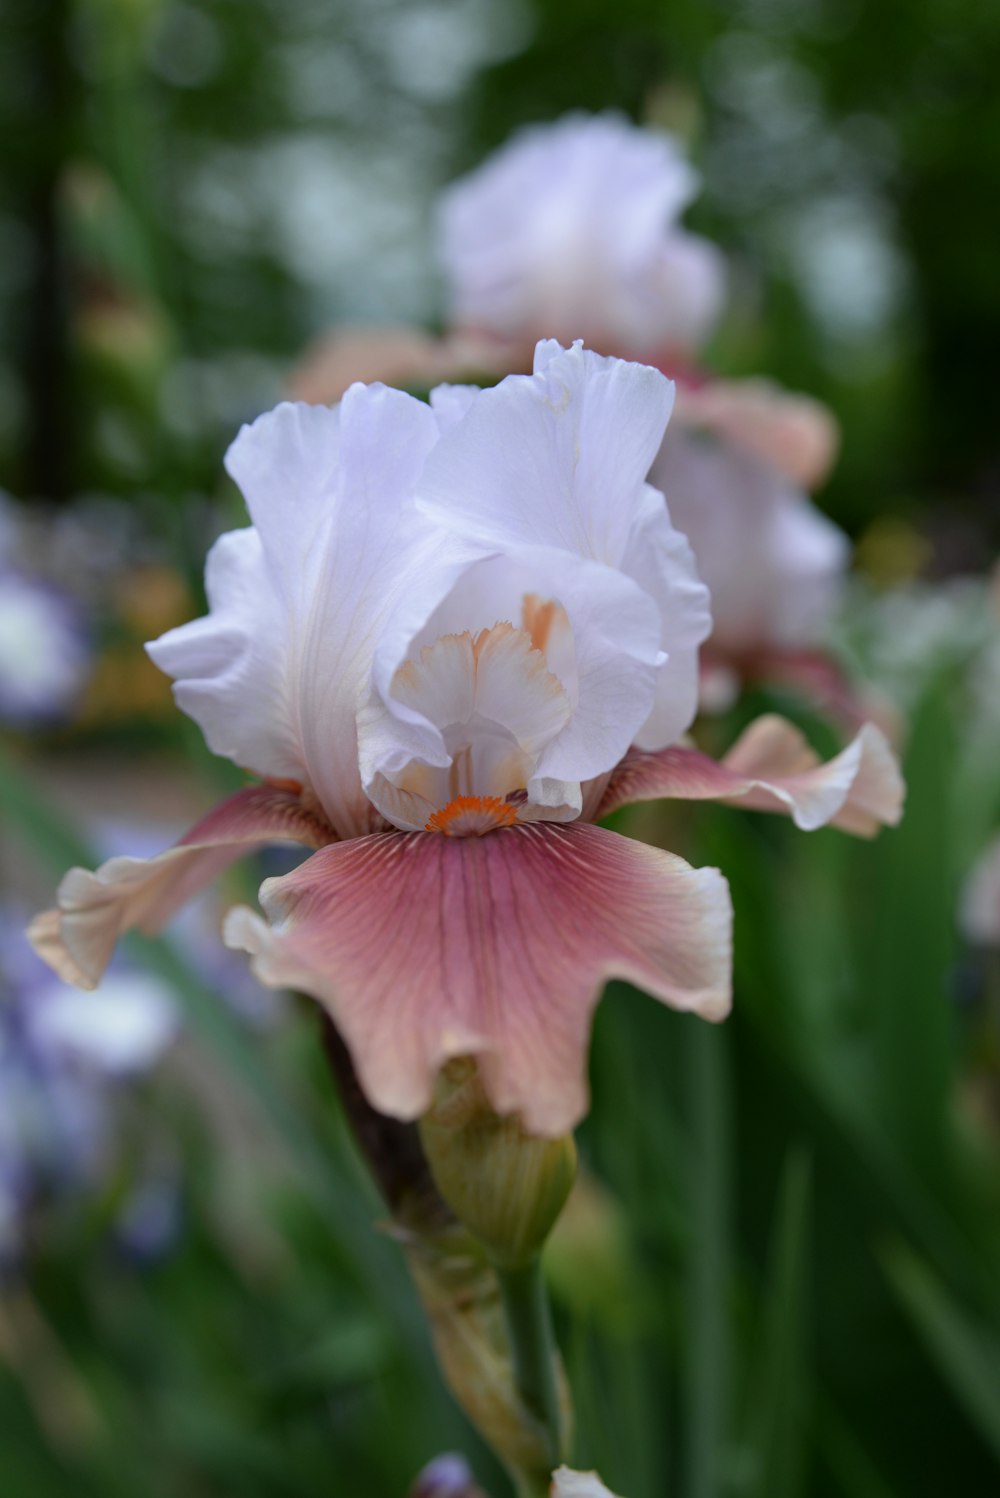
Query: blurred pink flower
[
  {"x": 45, "y": 655},
  {"x": 454, "y": 637},
  {"x": 794, "y": 434},
  {"x": 404, "y": 357}
]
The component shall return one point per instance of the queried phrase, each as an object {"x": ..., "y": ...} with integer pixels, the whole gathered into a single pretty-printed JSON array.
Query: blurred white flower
[
  {"x": 569, "y": 1484},
  {"x": 121, "y": 1032},
  {"x": 570, "y": 230},
  {"x": 44, "y": 657},
  {"x": 62, "y": 1062},
  {"x": 979, "y": 907}
]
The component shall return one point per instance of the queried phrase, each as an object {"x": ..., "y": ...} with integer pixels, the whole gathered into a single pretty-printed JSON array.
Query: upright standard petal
[
  {"x": 77, "y": 938},
  {"x": 276, "y": 672},
  {"x": 423, "y": 948},
  {"x": 553, "y": 466},
  {"x": 771, "y": 767},
  {"x": 557, "y": 458}
]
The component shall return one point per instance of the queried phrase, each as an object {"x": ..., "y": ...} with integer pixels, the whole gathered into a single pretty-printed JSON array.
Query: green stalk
[{"x": 529, "y": 1327}]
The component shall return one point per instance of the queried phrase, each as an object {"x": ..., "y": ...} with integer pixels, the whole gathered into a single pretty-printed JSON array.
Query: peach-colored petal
[
  {"x": 794, "y": 433},
  {"x": 425, "y": 947},
  {"x": 403, "y": 357},
  {"x": 78, "y": 938},
  {"x": 771, "y": 767}
]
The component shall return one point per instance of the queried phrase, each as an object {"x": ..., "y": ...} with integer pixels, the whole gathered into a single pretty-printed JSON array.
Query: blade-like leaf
[{"x": 966, "y": 1355}]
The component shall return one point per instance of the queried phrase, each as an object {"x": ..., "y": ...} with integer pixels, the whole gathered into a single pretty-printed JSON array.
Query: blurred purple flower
[
  {"x": 447, "y": 1476},
  {"x": 61, "y": 1064},
  {"x": 44, "y": 651}
]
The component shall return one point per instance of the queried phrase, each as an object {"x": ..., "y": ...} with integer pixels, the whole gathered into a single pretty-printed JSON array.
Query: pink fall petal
[
  {"x": 77, "y": 938},
  {"x": 772, "y": 767},
  {"x": 424, "y": 947}
]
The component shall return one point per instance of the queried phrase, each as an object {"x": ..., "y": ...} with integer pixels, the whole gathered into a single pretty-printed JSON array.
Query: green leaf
[
  {"x": 709, "y": 1262},
  {"x": 966, "y": 1356},
  {"x": 773, "y": 1454}
]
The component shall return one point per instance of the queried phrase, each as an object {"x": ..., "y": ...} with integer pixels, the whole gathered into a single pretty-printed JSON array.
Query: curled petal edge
[
  {"x": 772, "y": 767},
  {"x": 423, "y": 948},
  {"x": 78, "y": 937}
]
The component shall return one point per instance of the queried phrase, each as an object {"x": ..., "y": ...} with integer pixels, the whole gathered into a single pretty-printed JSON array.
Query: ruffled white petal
[
  {"x": 276, "y": 672},
  {"x": 555, "y": 459},
  {"x": 489, "y": 704},
  {"x": 230, "y": 668},
  {"x": 549, "y": 470},
  {"x": 607, "y": 657},
  {"x": 661, "y": 561}
]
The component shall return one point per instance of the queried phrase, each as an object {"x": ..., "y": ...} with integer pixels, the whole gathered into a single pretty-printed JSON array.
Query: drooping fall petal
[
  {"x": 772, "y": 767},
  {"x": 423, "y": 947},
  {"x": 78, "y": 937}
]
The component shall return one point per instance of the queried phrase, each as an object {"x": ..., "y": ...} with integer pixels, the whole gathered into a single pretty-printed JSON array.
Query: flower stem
[{"x": 529, "y": 1326}]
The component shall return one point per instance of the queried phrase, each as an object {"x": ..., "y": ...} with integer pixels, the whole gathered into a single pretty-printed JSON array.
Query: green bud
[{"x": 507, "y": 1187}]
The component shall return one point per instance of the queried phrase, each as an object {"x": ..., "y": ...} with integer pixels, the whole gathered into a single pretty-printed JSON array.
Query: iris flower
[
  {"x": 573, "y": 228},
  {"x": 453, "y": 639}
]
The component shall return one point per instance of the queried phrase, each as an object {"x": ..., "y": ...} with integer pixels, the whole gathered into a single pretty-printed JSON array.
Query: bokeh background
[{"x": 781, "y": 1274}]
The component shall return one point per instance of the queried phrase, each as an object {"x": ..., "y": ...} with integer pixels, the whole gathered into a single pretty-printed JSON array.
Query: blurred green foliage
[{"x": 191, "y": 191}]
